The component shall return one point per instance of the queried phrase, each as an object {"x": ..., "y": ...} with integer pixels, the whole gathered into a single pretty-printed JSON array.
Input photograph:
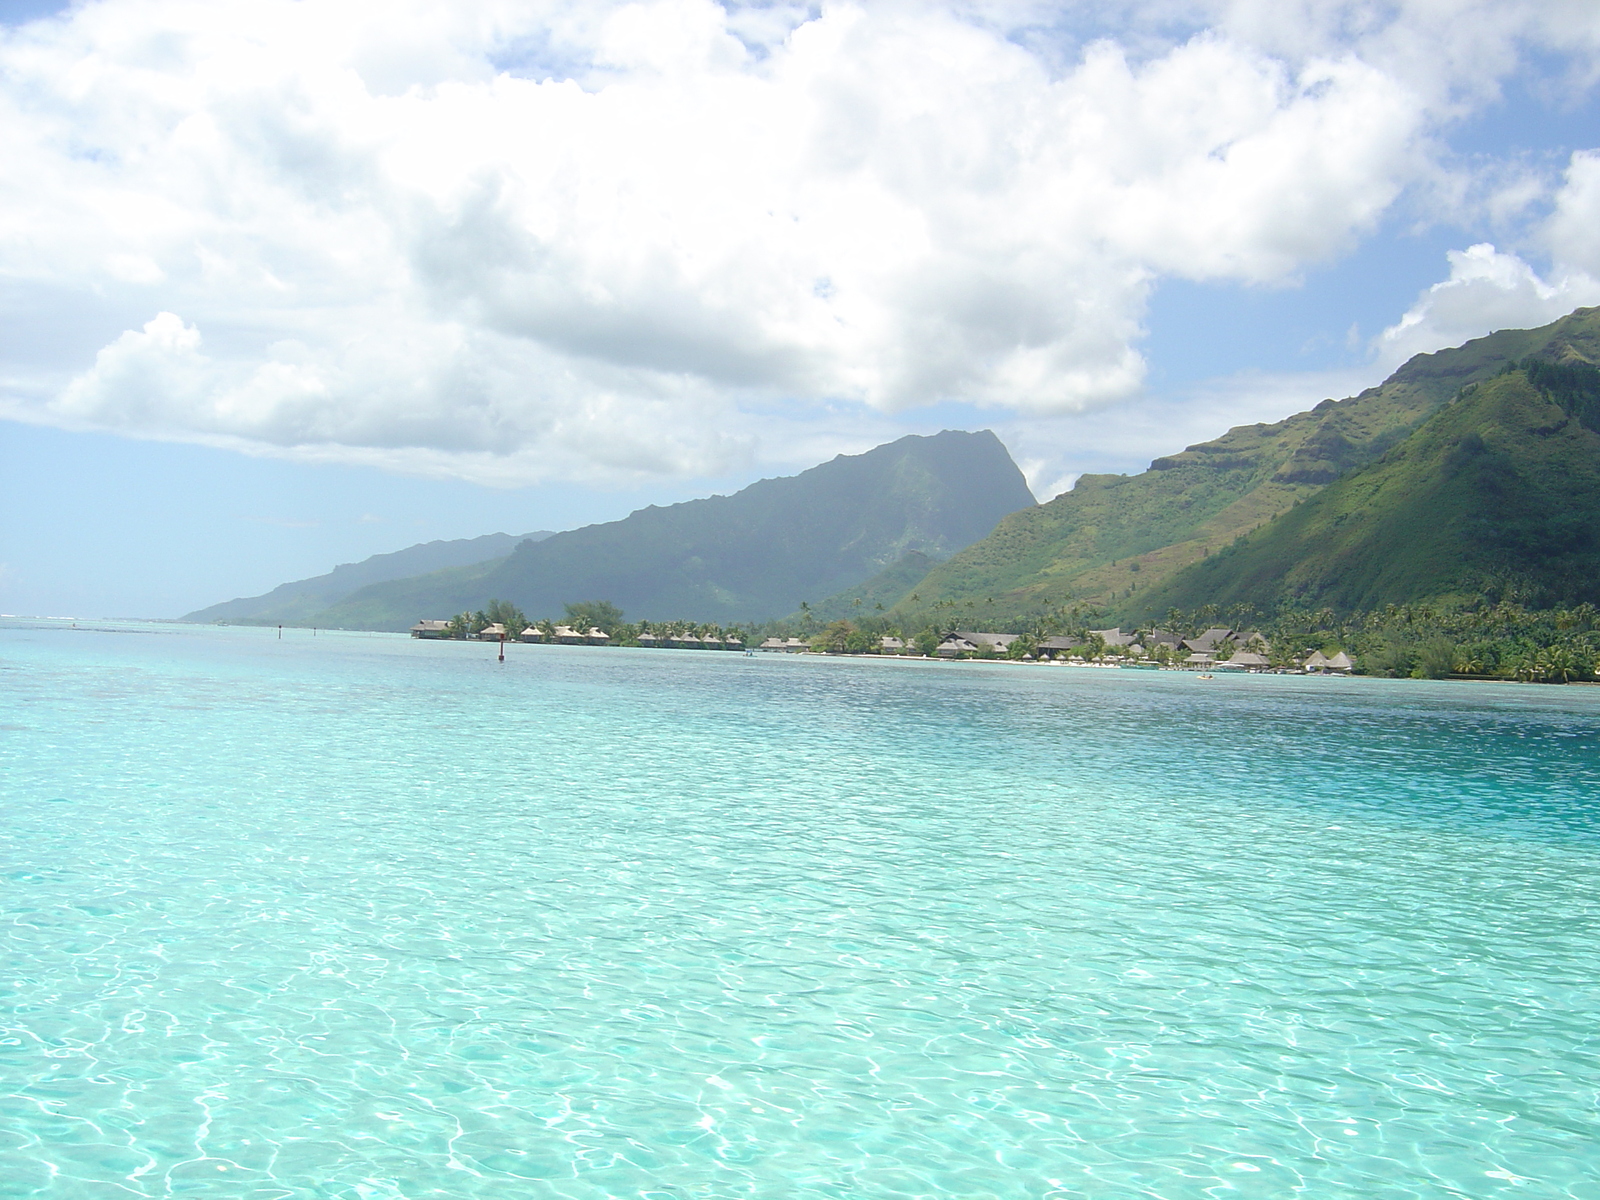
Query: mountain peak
[{"x": 750, "y": 556}]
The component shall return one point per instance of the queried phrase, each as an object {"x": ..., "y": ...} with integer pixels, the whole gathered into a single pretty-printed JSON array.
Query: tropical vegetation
[{"x": 1135, "y": 545}]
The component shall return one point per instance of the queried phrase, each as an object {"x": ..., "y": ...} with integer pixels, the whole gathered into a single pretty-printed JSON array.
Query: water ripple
[{"x": 366, "y": 918}]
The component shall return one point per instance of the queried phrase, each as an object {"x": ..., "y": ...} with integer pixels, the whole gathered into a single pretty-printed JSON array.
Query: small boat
[{"x": 1206, "y": 676}]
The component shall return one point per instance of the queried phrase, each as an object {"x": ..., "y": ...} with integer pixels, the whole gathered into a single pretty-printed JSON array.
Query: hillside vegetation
[
  {"x": 1114, "y": 540},
  {"x": 1496, "y": 497},
  {"x": 750, "y": 556}
]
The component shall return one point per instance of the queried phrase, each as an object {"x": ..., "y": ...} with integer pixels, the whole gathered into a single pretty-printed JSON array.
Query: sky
[{"x": 286, "y": 283}]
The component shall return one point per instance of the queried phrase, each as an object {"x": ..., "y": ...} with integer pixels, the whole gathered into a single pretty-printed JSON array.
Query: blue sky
[{"x": 274, "y": 301}]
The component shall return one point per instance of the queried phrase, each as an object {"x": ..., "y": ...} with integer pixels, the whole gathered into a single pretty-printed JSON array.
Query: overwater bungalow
[
  {"x": 431, "y": 629},
  {"x": 492, "y": 633},
  {"x": 1320, "y": 664},
  {"x": 787, "y": 645}
]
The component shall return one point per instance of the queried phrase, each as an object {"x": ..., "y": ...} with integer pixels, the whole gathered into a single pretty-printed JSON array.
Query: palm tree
[{"x": 1559, "y": 664}]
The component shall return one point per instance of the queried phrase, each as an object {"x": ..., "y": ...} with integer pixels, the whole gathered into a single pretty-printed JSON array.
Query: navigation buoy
[{"x": 502, "y": 647}]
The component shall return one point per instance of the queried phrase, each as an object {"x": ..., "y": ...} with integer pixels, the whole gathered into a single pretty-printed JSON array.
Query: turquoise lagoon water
[{"x": 355, "y": 916}]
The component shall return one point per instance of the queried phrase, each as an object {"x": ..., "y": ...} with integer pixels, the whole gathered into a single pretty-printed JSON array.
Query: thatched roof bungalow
[{"x": 1320, "y": 662}]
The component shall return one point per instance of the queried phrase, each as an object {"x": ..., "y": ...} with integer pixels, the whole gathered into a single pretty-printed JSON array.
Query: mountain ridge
[
  {"x": 750, "y": 556},
  {"x": 1496, "y": 497},
  {"x": 1113, "y": 536},
  {"x": 302, "y": 599}
]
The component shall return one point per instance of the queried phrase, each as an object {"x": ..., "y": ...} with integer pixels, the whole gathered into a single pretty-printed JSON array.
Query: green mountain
[
  {"x": 1497, "y": 495},
  {"x": 872, "y": 595},
  {"x": 1115, "y": 539},
  {"x": 750, "y": 556},
  {"x": 300, "y": 602}
]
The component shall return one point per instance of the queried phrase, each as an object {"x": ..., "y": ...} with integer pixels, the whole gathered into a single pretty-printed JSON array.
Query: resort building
[
  {"x": 431, "y": 629},
  {"x": 689, "y": 640},
  {"x": 1115, "y": 639},
  {"x": 971, "y": 641},
  {"x": 956, "y": 644},
  {"x": 787, "y": 645},
  {"x": 1059, "y": 647},
  {"x": 1319, "y": 663},
  {"x": 1207, "y": 642},
  {"x": 1245, "y": 660}
]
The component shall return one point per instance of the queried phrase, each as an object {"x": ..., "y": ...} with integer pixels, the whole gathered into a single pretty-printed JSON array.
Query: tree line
[{"x": 1483, "y": 639}]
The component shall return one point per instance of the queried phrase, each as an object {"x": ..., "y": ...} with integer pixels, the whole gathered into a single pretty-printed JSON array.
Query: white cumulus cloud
[
  {"x": 1487, "y": 290},
  {"x": 1491, "y": 289},
  {"x": 510, "y": 241},
  {"x": 1572, "y": 233}
]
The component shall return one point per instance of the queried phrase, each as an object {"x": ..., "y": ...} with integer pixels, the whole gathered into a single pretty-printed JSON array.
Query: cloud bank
[{"x": 515, "y": 242}]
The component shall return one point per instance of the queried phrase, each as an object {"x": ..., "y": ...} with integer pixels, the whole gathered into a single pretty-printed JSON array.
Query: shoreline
[{"x": 172, "y": 626}]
